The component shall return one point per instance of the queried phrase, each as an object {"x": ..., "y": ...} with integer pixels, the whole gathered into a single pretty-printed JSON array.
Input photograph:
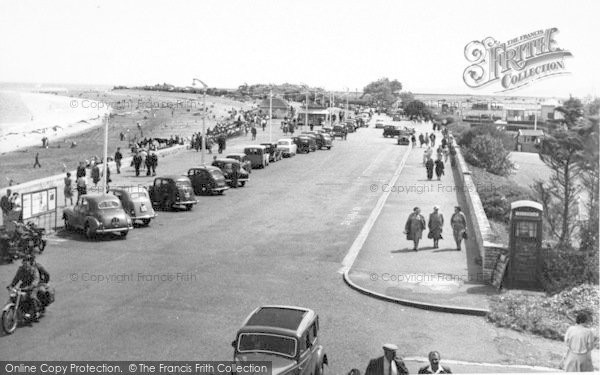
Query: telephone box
[{"x": 525, "y": 242}]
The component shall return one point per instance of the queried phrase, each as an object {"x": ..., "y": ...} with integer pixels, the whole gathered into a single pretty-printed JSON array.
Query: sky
[{"x": 335, "y": 45}]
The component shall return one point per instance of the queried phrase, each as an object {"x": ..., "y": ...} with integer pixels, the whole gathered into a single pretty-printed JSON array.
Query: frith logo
[{"x": 515, "y": 63}]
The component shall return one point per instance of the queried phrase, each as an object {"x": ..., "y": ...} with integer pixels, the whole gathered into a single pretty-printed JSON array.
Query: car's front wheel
[
  {"x": 124, "y": 234},
  {"x": 146, "y": 221}
]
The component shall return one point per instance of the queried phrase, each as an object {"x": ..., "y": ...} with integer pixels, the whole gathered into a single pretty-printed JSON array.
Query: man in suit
[
  {"x": 434, "y": 365},
  {"x": 388, "y": 364}
]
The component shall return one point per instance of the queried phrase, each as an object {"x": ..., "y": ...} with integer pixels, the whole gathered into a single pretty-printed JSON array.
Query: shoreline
[{"x": 52, "y": 116}]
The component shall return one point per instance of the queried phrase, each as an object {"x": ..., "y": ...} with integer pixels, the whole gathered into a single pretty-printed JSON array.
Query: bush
[
  {"x": 487, "y": 152},
  {"x": 496, "y": 200},
  {"x": 507, "y": 139},
  {"x": 547, "y": 316},
  {"x": 566, "y": 268}
]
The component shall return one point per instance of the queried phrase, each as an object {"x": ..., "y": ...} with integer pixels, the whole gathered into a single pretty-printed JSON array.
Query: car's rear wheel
[
  {"x": 146, "y": 221},
  {"x": 243, "y": 183},
  {"x": 188, "y": 207},
  {"x": 124, "y": 234}
]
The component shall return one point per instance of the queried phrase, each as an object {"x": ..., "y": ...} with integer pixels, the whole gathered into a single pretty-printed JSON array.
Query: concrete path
[{"x": 387, "y": 267}]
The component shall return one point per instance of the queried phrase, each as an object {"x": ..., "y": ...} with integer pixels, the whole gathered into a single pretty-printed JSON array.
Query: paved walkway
[{"x": 387, "y": 267}]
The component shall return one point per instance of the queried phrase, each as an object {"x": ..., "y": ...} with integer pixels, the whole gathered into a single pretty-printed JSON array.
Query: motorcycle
[
  {"x": 20, "y": 307},
  {"x": 38, "y": 235}
]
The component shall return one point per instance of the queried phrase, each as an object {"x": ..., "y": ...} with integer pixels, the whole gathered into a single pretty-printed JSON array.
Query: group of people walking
[
  {"x": 392, "y": 364},
  {"x": 416, "y": 225}
]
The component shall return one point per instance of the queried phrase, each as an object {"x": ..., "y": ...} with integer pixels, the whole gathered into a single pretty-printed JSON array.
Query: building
[
  {"x": 317, "y": 115},
  {"x": 528, "y": 139},
  {"x": 280, "y": 107}
]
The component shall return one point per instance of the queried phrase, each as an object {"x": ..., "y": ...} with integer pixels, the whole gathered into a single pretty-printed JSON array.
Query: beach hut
[{"x": 280, "y": 107}]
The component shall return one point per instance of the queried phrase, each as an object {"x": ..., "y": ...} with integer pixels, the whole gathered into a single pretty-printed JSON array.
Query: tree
[
  {"x": 561, "y": 152},
  {"x": 405, "y": 98},
  {"x": 417, "y": 108},
  {"x": 383, "y": 91}
]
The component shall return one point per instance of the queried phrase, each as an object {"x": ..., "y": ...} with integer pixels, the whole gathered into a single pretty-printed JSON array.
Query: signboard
[
  {"x": 527, "y": 213},
  {"x": 38, "y": 202},
  {"x": 499, "y": 271}
]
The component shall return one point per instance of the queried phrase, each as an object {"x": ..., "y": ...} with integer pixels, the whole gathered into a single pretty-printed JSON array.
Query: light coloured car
[
  {"x": 287, "y": 147},
  {"x": 136, "y": 202},
  {"x": 98, "y": 214}
]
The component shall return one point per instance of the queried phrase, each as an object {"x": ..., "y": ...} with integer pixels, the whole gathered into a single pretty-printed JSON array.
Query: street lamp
[
  {"x": 203, "y": 145},
  {"x": 105, "y": 174},
  {"x": 347, "y": 93},
  {"x": 271, "y": 115},
  {"x": 306, "y": 103}
]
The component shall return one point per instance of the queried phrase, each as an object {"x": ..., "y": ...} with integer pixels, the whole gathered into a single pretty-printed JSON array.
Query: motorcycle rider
[{"x": 29, "y": 276}]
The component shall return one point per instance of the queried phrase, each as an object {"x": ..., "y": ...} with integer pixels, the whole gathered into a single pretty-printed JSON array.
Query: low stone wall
[
  {"x": 479, "y": 224},
  {"x": 58, "y": 180}
]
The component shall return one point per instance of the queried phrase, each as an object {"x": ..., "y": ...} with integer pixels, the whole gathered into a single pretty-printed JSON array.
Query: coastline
[{"x": 52, "y": 116}]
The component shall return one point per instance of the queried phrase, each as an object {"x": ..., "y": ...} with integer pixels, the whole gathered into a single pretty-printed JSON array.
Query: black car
[
  {"x": 391, "y": 131},
  {"x": 207, "y": 180},
  {"x": 302, "y": 144},
  {"x": 233, "y": 171}
]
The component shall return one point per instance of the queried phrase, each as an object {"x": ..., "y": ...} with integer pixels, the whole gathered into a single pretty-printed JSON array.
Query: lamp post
[
  {"x": 104, "y": 175},
  {"x": 271, "y": 115},
  {"x": 347, "y": 93},
  {"x": 203, "y": 145}
]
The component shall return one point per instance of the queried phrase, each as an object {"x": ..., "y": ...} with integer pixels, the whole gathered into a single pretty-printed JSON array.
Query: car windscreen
[
  {"x": 138, "y": 194},
  {"x": 253, "y": 151},
  {"x": 216, "y": 174},
  {"x": 182, "y": 183},
  {"x": 267, "y": 343},
  {"x": 108, "y": 204},
  {"x": 283, "y": 143}
]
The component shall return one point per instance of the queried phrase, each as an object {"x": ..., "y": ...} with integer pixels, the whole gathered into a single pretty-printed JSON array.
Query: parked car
[
  {"x": 317, "y": 137},
  {"x": 234, "y": 174},
  {"x": 327, "y": 129},
  {"x": 327, "y": 141},
  {"x": 312, "y": 141},
  {"x": 242, "y": 158},
  {"x": 172, "y": 191},
  {"x": 258, "y": 155},
  {"x": 350, "y": 126},
  {"x": 379, "y": 124},
  {"x": 98, "y": 214},
  {"x": 338, "y": 131},
  {"x": 136, "y": 202},
  {"x": 404, "y": 139},
  {"x": 274, "y": 153},
  {"x": 302, "y": 144},
  {"x": 286, "y": 336},
  {"x": 391, "y": 131},
  {"x": 207, "y": 179},
  {"x": 287, "y": 147}
]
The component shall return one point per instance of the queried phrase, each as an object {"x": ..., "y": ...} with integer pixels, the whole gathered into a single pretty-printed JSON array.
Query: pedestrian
[
  {"x": 452, "y": 151},
  {"x": 434, "y": 365},
  {"x": 439, "y": 152},
  {"x": 415, "y": 225},
  {"x": 421, "y": 139},
  {"x": 137, "y": 162},
  {"x": 580, "y": 342},
  {"x": 5, "y": 205},
  {"x": 37, "y": 161},
  {"x": 148, "y": 163},
  {"x": 263, "y": 123},
  {"x": 458, "y": 221},
  {"x": 81, "y": 187},
  {"x": 121, "y": 136},
  {"x": 108, "y": 180},
  {"x": 153, "y": 162},
  {"x": 81, "y": 172},
  {"x": 439, "y": 168},
  {"x": 68, "y": 189},
  {"x": 429, "y": 164},
  {"x": 435, "y": 224},
  {"x": 143, "y": 155},
  {"x": 432, "y": 137},
  {"x": 413, "y": 140},
  {"x": 95, "y": 174},
  {"x": 427, "y": 139},
  {"x": 222, "y": 143},
  {"x": 389, "y": 363},
  {"x": 118, "y": 158},
  {"x": 209, "y": 144},
  {"x": 445, "y": 152}
]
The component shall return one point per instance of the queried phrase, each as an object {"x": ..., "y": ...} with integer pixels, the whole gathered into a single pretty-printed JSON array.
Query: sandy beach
[{"x": 26, "y": 118}]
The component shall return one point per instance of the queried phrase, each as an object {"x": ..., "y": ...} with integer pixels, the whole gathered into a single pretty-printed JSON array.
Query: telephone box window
[{"x": 526, "y": 229}]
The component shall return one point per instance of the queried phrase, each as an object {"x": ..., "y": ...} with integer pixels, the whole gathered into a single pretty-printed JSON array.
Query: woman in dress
[
  {"x": 459, "y": 226},
  {"x": 436, "y": 223},
  {"x": 580, "y": 341},
  {"x": 68, "y": 189},
  {"x": 415, "y": 225}
]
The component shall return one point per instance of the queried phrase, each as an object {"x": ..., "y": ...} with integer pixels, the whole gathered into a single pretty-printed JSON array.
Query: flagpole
[
  {"x": 271, "y": 115},
  {"x": 105, "y": 177}
]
